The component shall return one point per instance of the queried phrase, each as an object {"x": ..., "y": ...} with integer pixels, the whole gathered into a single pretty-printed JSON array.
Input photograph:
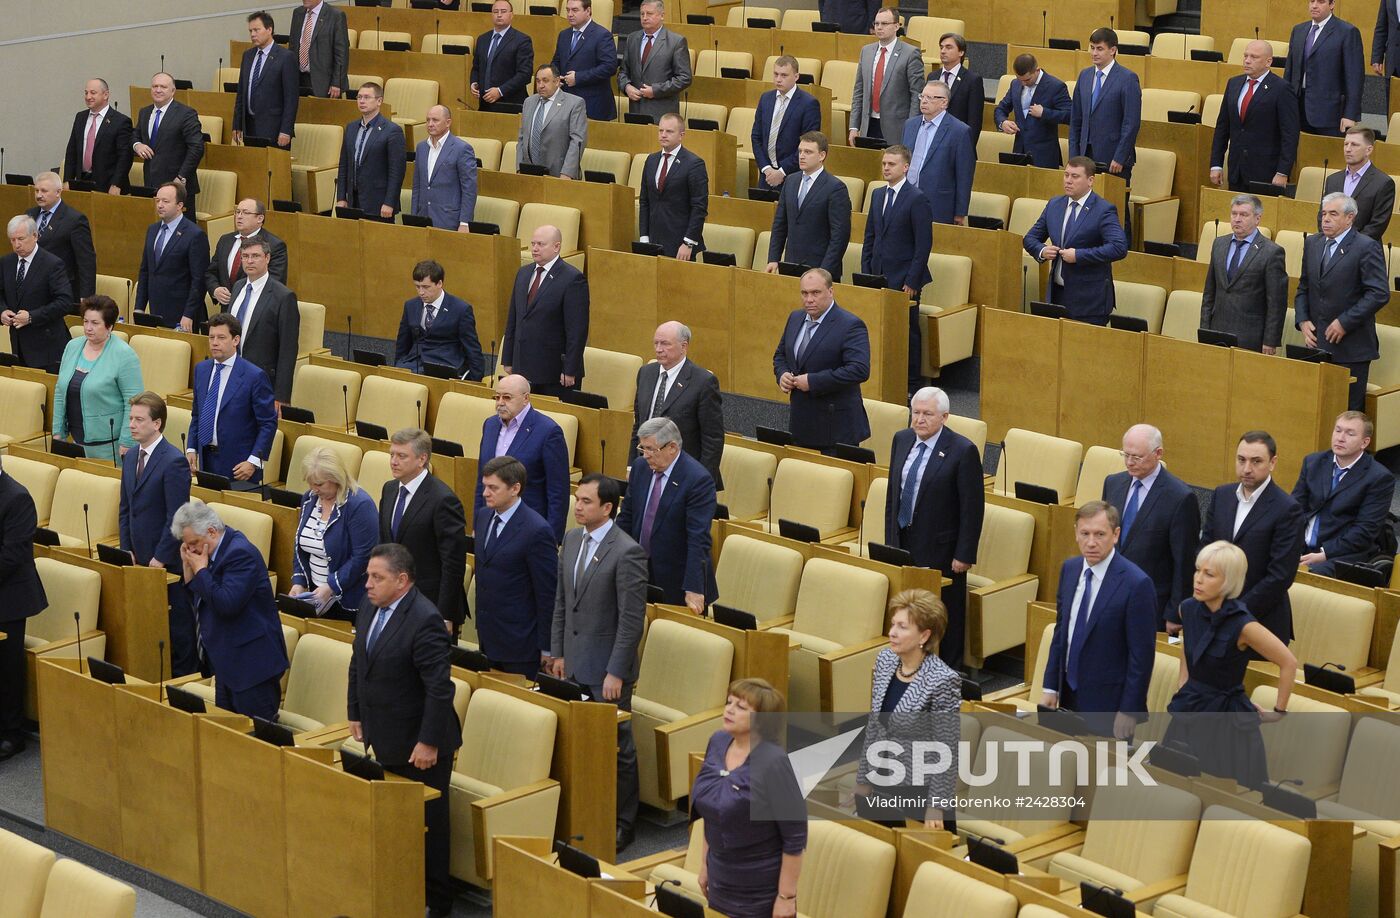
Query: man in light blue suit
[
  {"x": 444, "y": 175},
  {"x": 945, "y": 157},
  {"x": 1106, "y": 111},
  {"x": 235, "y": 416},
  {"x": 521, "y": 431}
]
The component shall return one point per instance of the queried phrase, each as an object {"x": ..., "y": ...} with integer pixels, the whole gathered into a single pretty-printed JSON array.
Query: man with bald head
[
  {"x": 676, "y": 387},
  {"x": 1258, "y": 123},
  {"x": 1160, "y": 517},
  {"x": 444, "y": 175},
  {"x": 170, "y": 141},
  {"x": 547, "y": 326},
  {"x": 100, "y": 144},
  {"x": 537, "y": 442}
]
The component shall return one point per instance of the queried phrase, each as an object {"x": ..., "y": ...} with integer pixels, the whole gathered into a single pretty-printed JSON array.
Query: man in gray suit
[
  {"x": 1364, "y": 182},
  {"x": 655, "y": 67},
  {"x": 599, "y": 612},
  {"x": 888, "y": 82},
  {"x": 553, "y": 128},
  {"x": 444, "y": 174},
  {"x": 320, "y": 41},
  {"x": 1246, "y": 291}
]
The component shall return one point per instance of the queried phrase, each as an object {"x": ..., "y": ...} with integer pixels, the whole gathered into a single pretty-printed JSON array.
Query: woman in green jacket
[{"x": 98, "y": 377}]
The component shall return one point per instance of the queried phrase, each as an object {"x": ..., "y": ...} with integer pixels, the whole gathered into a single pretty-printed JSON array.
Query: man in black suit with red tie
[
  {"x": 24, "y": 597},
  {"x": 100, "y": 145},
  {"x": 504, "y": 61},
  {"x": 547, "y": 326},
  {"x": 675, "y": 194},
  {"x": 226, "y": 267},
  {"x": 1258, "y": 122}
]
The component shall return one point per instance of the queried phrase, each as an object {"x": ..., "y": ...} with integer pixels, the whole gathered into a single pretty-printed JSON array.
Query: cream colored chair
[
  {"x": 736, "y": 240},
  {"x": 332, "y": 395},
  {"x": 758, "y": 577},
  {"x": 940, "y": 892},
  {"x": 503, "y": 212},
  {"x": 991, "y": 144},
  {"x": 1156, "y": 103},
  {"x": 1382, "y": 401},
  {"x": 946, "y": 318},
  {"x": 1310, "y": 182},
  {"x": 85, "y": 508},
  {"x": 1099, "y": 463},
  {"x": 872, "y": 528},
  {"x": 1155, "y": 209},
  {"x": 71, "y": 590},
  {"x": 218, "y": 192},
  {"x": 1330, "y": 627},
  {"x": 120, "y": 289},
  {"x": 1210, "y": 109},
  {"x": 488, "y": 153},
  {"x": 987, "y": 204},
  {"x": 807, "y": 492},
  {"x": 317, "y": 684},
  {"x": 1367, "y": 789},
  {"x": 316, "y": 165},
  {"x": 22, "y": 411},
  {"x": 76, "y": 331},
  {"x": 349, "y": 454},
  {"x": 1178, "y": 46},
  {"x": 373, "y": 39},
  {"x": 1024, "y": 697},
  {"x": 1024, "y": 213},
  {"x": 39, "y": 478},
  {"x": 165, "y": 363},
  {"x": 1036, "y": 458},
  {"x": 886, "y": 420},
  {"x": 799, "y": 20},
  {"x": 213, "y": 126},
  {"x": 535, "y": 215},
  {"x": 739, "y": 17},
  {"x": 253, "y": 524},
  {"x": 24, "y": 873},
  {"x": 1134, "y": 37},
  {"x": 1311, "y": 749},
  {"x": 840, "y": 78},
  {"x": 356, "y": 80},
  {"x": 974, "y": 429},
  {"x": 74, "y": 889},
  {"x": 711, "y": 62},
  {"x": 1243, "y": 867},
  {"x": 684, "y": 872},
  {"x": 926, "y": 30},
  {"x": 1183, "y": 315},
  {"x": 739, "y": 123},
  {"x": 846, "y": 873},
  {"x": 410, "y": 100},
  {"x": 460, "y": 418},
  {"x": 311, "y": 335},
  {"x": 748, "y": 476},
  {"x": 392, "y": 403},
  {"x": 614, "y": 162},
  {"x": 432, "y": 44},
  {"x": 705, "y": 111},
  {"x": 999, "y": 585},
  {"x": 1039, "y": 783},
  {"x": 613, "y": 375},
  {"x": 223, "y": 75},
  {"x": 374, "y": 473},
  {"x": 1291, "y": 241}
]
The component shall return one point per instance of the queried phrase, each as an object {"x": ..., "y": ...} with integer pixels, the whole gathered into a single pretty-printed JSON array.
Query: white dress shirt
[
  {"x": 1246, "y": 504},
  {"x": 1095, "y": 584},
  {"x": 411, "y": 488},
  {"x": 931, "y": 443},
  {"x": 669, "y": 377},
  {"x": 236, "y": 303}
]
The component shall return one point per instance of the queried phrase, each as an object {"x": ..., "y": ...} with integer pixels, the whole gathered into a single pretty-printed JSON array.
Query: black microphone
[
  {"x": 162, "y": 63},
  {"x": 350, "y": 335},
  {"x": 860, "y": 538},
  {"x": 437, "y": 34},
  {"x": 380, "y": 35},
  {"x": 184, "y": 451},
  {"x": 462, "y": 102},
  {"x": 419, "y": 403},
  {"x": 269, "y": 188},
  {"x": 604, "y": 460},
  {"x": 772, "y": 523},
  {"x": 492, "y": 374},
  {"x": 685, "y": 106},
  {"x": 88, "y": 528},
  {"x": 112, "y": 428},
  {"x": 345, "y": 405},
  {"x": 1324, "y": 174},
  {"x": 78, "y": 627},
  {"x": 1336, "y": 665},
  {"x": 1110, "y": 22},
  {"x": 160, "y": 686},
  {"x": 1256, "y": 36},
  {"x": 1043, "y": 27},
  {"x": 656, "y": 890},
  {"x": 1002, "y": 462},
  {"x": 219, "y": 77},
  {"x": 1025, "y": 279},
  {"x": 715, "y": 42},
  {"x": 2, "y": 160}
]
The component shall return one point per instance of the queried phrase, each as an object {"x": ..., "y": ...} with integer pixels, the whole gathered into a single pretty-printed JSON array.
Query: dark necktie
[
  {"x": 1130, "y": 512},
  {"x": 140, "y": 463},
  {"x": 155, "y": 126},
  {"x": 210, "y": 412},
  {"x": 493, "y": 533},
  {"x": 1236, "y": 258},
  {"x": 908, "y": 491},
  {"x": 661, "y": 177},
  {"x": 649, "y": 517},
  {"x": 44, "y": 221},
  {"x": 399, "y": 504},
  {"x": 660, "y": 395},
  {"x": 257, "y": 75},
  {"x": 582, "y": 559},
  {"x": 1081, "y": 629},
  {"x": 378, "y": 626},
  {"x": 19, "y": 275},
  {"x": 535, "y": 284},
  {"x": 491, "y": 51},
  {"x": 1328, "y": 253}
]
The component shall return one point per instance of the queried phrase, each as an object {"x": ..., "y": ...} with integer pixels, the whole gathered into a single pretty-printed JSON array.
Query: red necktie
[
  {"x": 535, "y": 285},
  {"x": 1248, "y": 94},
  {"x": 877, "y": 82},
  {"x": 646, "y": 49},
  {"x": 661, "y": 179}
]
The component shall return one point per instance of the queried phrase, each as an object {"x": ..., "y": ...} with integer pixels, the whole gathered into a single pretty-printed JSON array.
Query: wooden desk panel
[
  {"x": 118, "y": 230},
  {"x": 264, "y": 173},
  {"x": 326, "y": 247},
  {"x": 388, "y": 253},
  {"x": 762, "y": 303},
  {"x": 481, "y": 270},
  {"x": 731, "y": 211},
  {"x": 623, "y": 308},
  {"x": 1105, "y": 365},
  {"x": 1020, "y": 372},
  {"x": 1296, "y": 402},
  {"x": 701, "y": 296},
  {"x": 77, "y": 715},
  {"x": 1192, "y": 427}
]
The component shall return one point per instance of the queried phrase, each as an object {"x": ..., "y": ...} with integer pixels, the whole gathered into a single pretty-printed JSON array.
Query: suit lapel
[
  {"x": 1111, "y": 582},
  {"x": 1147, "y": 504},
  {"x": 415, "y": 505},
  {"x": 1248, "y": 259},
  {"x": 674, "y": 390},
  {"x": 816, "y": 336},
  {"x": 935, "y": 462},
  {"x": 391, "y": 627},
  {"x": 1357, "y": 471},
  {"x": 1260, "y": 507},
  {"x": 598, "y": 555}
]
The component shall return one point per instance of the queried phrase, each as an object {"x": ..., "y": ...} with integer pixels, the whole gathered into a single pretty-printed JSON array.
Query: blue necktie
[
  {"x": 908, "y": 491},
  {"x": 257, "y": 75},
  {"x": 399, "y": 504},
  {"x": 1130, "y": 512},
  {"x": 160, "y": 239},
  {"x": 243, "y": 306},
  {"x": 1314, "y": 523},
  {"x": 1081, "y": 630},
  {"x": 375, "y": 628},
  {"x": 809, "y": 328},
  {"x": 155, "y": 126},
  {"x": 211, "y": 408},
  {"x": 1236, "y": 257},
  {"x": 802, "y": 191},
  {"x": 1337, "y": 473},
  {"x": 493, "y": 533},
  {"x": 1098, "y": 85},
  {"x": 491, "y": 51},
  {"x": 574, "y": 47}
]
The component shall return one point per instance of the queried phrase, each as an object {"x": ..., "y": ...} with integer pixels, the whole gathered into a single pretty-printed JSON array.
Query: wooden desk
[
  {"x": 529, "y": 884},
  {"x": 82, "y": 791}
]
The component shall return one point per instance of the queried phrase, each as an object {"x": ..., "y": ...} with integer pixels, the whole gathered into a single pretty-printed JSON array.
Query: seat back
[
  {"x": 494, "y": 716},
  {"x": 460, "y": 418},
  {"x": 840, "y": 603},
  {"x": 1099, "y": 463},
  {"x": 120, "y": 289},
  {"x": 975, "y": 429},
  {"x": 1292, "y": 243},
  {"x": 24, "y": 872},
  {"x": 1177, "y": 45},
  {"x": 535, "y": 215},
  {"x": 747, "y": 474},
  {"x": 812, "y": 65},
  {"x": 1310, "y": 749},
  {"x": 1146, "y": 833},
  {"x": 711, "y": 62},
  {"x": 987, "y": 204},
  {"x": 1247, "y": 867},
  {"x": 886, "y": 420},
  {"x": 739, "y": 123},
  {"x": 759, "y": 577},
  {"x": 613, "y": 375},
  {"x": 165, "y": 363},
  {"x": 218, "y": 192},
  {"x": 1236, "y": 55},
  {"x": 840, "y": 78},
  {"x": 736, "y": 240},
  {"x": 432, "y": 44},
  {"x": 39, "y": 479},
  {"x": 503, "y": 212},
  {"x": 21, "y": 407},
  {"x": 806, "y": 492},
  {"x": 617, "y": 162},
  {"x": 69, "y": 589},
  {"x": 319, "y": 679},
  {"x": 374, "y": 473},
  {"x": 1039, "y": 783},
  {"x": 684, "y": 669},
  {"x": 1042, "y": 660},
  {"x": 1330, "y": 627},
  {"x": 1142, "y": 301},
  {"x": 952, "y": 284},
  {"x": 75, "y": 889},
  {"x": 799, "y": 20},
  {"x": 1041, "y": 459},
  {"x": 938, "y": 892},
  {"x": 739, "y": 16},
  {"x": 253, "y": 524},
  {"x": 213, "y": 125},
  {"x": 846, "y": 873},
  {"x": 1385, "y": 372},
  {"x": 1210, "y": 109},
  {"x": 356, "y": 80},
  {"x": 374, "y": 39},
  {"x": 1367, "y": 780},
  {"x": 311, "y": 335},
  {"x": 392, "y": 403},
  {"x": 349, "y": 454},
  {"x": 1004, "y": 549},
  {"x": 1183, "y": 315},
  {"x": 872, "y": 528},
  {"x": 100, "y": 495},
  {"x": 1310, "y": 182},
  {"x": 568, "y": 426},
  {"x": 332, "y": 395},
  {"x": 1156, "y": 103},
  {"x": 927, "y": 29},
  {"x": 1154, "y": 171},
  {"x": 410, "y": 98},
  {"x": 317, "y": 146},
  {"x": 1024, "y": 213},
  {"x": 488, "y": 150}
]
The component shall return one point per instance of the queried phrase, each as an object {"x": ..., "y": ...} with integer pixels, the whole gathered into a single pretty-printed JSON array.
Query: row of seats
[{"x": 37, "y": 884}]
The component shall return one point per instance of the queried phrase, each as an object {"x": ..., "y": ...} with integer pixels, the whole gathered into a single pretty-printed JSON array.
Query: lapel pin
[{"x": 940, "y": 454}]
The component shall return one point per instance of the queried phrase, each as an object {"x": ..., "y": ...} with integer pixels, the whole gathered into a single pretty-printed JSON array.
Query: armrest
[
  {"x": 1001, "y": 586},
  {"x": 529, "y": 810},
  {"x": 1157, "y": 890},
  {"x": 837, "y": 536},
  {"x": 844, "y": 675},
  {"x": 329, "y": 735},
  {"x": 852, "y": 650},
  {"x": 784, "y": 621},
  {"x": 675, "y": 742},
  {"x": 643, "y": 866},
  {"x": 944, "y": 312},
  {"x": 1165, "y": 199},
  {"x": 1021, "y": 690},
  {"x": 56, "y": 648}
]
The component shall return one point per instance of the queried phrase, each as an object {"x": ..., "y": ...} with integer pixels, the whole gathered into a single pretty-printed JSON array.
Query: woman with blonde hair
[{"x": 339, "y": 525}]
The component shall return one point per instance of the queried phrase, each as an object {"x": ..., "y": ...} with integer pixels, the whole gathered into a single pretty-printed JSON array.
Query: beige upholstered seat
[
  {"x": 1241, "y": 867},
  {"x": 374, "y": 473},
  {"x": 1024, "y": 213},
  {"x": 1099, "y": 463},
  {"x": 845, "y": 873},
  {"x": 120, "y": 289},
  {"x": 799, "y": 20},
  {"x": 1036, "y": 458},
  {"x": 1006, "y": 825},
  {"x": 332, "y": 395},
  {"x": 356, "y": 80},
  {"x": 1183, "y": 315},
  {"x": 165, "y": 363},
  {"x": 1368, "y": 788},
  {"x": 926, "y": 31},
  {"x": 74, "y": 889},
  {"x": 535, "y": 215},
  {"x": 213, "y": 126},
  {"x": 1236, "y": 55},
  {"x": 392, "y": 403},
  {"x": 840, "y": 78},
  {"x": 872, "y": 528},
  {"x": 488, "y": 150},
  {"x": 1211, "y": 229},
  {"x": 614, "y": 162},
  {"x": 1310, "y": 182},
  {"x": 373, "y": 39},
  {"x": 989, "y": 204},
  {"x": 1153, "y": 176},
  {"x": 24, "y": 873},
  {"x": 812, "y": 65},
  {"x": 948, "y": 330},
  {"x": 503, "y": 212},
  {"x": 1140, "y": 301},
  {"x": 1156, "y": 103},
  {"x": 613, "y": 375},
  {"x": 218, "y": 192},
  {"x": 410, "y": 100},
  {"x": 747, "y": 475},
  {"x": 711, "y": 62},
  {"x": 349, "y": 454},
  {"x": 685, "y": 876},
  {"x": 736, "y": 240},
  {"x": 974, "y": 429},
  {"x": 991, "y": 144},
  {"x": 21, "y": 410},
  {"x": 100, "y": 495},
  {"x": 810, "y": 493},
  {"x": 311, "y": 336},
  {"x": 52, "y": 633},
  {"x": 432, "y": 44},
  {"x": 253, "y": 524},
  {"x": 1176, "y": 45},
  {"x": 998, "y": 585},
  {"x": 38, "y": 478},
  {"x": 938, "y": 892},
  {"x": 568, "y": 426},
  {"x": 886, "y": 420},
  {"x": 759, "y": 577},
  {"x": 460, "y": 418},
  {"x": 315, "y": 165},
  {"x": 1311, "y": 748},
  {"x": 705, "y": 111},
  {"x": 739, "y": 16},
  {"x": 1330, "y": 627},
  {"x": 317, "y": 684},
  {"x": 1037, "y": 684}
]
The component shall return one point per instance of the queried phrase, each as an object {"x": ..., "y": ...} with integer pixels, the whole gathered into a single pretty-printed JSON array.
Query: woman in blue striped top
[{"x": 339, "y": 526}]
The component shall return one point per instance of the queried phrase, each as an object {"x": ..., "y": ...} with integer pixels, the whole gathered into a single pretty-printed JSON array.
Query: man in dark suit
[
  {"x": 820, "y": 362},
  {"x": 66, "y": 233},
  {"x": 1363, "y": 182},
  {"x": 553, "y": 128},
  {"x": 898, "y": 239},
  {"x": 853, "y": 17},
  {"x": 100, "y": 144},
  {"x": 24, "y": 598},
  {"x": 170, "y": 140},
  {"x": 399, "y": 698},
  {"x": 675, "y": 194},
  {"x": 1344, "y": 495},
  {"x": 444, "y": 174},
  {"x": 237, "y": 625},
  {"x": 935, "y": 504},
  {"x": 421, "y": 513},
  {"x": 1101, "y": 655},
  {"x": 34, "y": 298},
  {"x": 320, "y": 42},
  {"x": 234, "y": 417},
  {"x": 1343, "y": 285},
  {"x": 889, "y": 77},
  {"x": 156, "y": 483},
  {"x": 966, "y": 96},
  {"x": 599, "y": 615},
  {"x": 1106, "y": 110},
  {"x": 943, "y": 156},
  {"x": 689, "y": 395},
  {"x": 1267, "y": 524},
  {"x": 1258, "y": 122},
  {"x": 537, "y": 442},
  {"x": 268, "y": 83},
  {"x": 438, "y": 327},
  {"x": 271, "y": 320},
  {"x": 372, "y": 159},
  {"x": 1326, "y": 66},
  {"x": 1246, "y": 289},
  {"x": 785, "y": 113},
  {"x": 547, "y": 325},
  {"x": 586, "y": 59},
  {"x": 515, "y": 572},
  {"x": 1039, "y": 102},
  {"x": 1385, "y": 42},
  {"x": 812, "y": 224},
  {"x": 226, "y": 267},
  {"x": 1161, "y": 520},
  {"x": 504, "y": 61},
  {"x": 1079, "y": 234},
  {"x": 655, "y": 68},
  {"x": 174, "y": 259}
]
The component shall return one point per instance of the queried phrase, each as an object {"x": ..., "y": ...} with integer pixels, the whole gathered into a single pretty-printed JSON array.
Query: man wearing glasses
[{"x": 226, "y": 268}]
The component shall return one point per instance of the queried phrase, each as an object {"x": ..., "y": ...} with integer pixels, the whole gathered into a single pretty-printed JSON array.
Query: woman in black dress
[{"x": 1219, "y": 724}]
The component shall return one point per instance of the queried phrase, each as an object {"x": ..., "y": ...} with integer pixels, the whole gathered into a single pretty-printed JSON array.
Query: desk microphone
[
  {"x": 219, "y": 77},
  {"x": 772, "y": 523},
  {"x": 1110, "y": 25},
  {"x": 184, "y": 451},
  {"x": 1339, "y": 666},
  {"x": 1324, "y": 177},
  {"x": 437, "y": 34},
  {"x": 1043, "y": 27},
  {"x": 112, "y": 429},
  {"x": 88, "y": 528},
  {"x": 345, "y": 405},
  {"x": 1025, "y": 279},
  {"x": 419, "y": 403},
  {"x": 860, "y": 538},
  {"x": 350, "y": 334},
  {"x": 462, "y": 102},
  {"x": 380, "y": 34},
  {"x": 269, "y": 188},
  {"x": 78, "y": 627},
  {"x": 494, "y": 365},
  {"x": 160, "y": 686},
  {"x": 1004, "y": 462},
  {"x": 604, "y": 460},
  {"x": 162, "y": 63}
]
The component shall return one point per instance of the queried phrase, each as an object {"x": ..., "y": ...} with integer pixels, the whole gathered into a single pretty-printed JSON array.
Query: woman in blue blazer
[
  {"x": 339, "y": 525},
  {"x": 98, "y": 377}
]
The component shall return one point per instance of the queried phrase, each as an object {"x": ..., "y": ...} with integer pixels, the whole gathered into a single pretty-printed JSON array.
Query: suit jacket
[
  {"x": 1385, "y": 43},
  {"x": 246, "y": 420},
  {"x": 111, "y": 150},
  {"x": 1108, "y": 130},
  {"x": 967, "y": 100},
  {"x": 1098, "y": 240},
  {"x": 945, "y": 177},
  {"x": 1375, "y": 200},
  {"x": 540, "y": 447},
  {"x": 599, "y": 616},
  {"x": 563, "y": 137},
  {"x": 1163, "y": 538},
  {"x": 434, "y": 530},
  {"x": 1352, "y": 289},
  {"x": 113, "y": 380},
  {"x": 217, "y": 274},
  {"x": 172, "y": 286},
  {"x": 1334, "y": 72},
  {"x": 448, "y": 196},
  {"x": 545, "y": 338},
  {"x": 148, "y": 504},
  {"x": 594, "y": 61},
  {"x": 694, "y": 403},
  {"x": 69, "y": 236},
  {"x": 1038, "y": 137},
  {"x": 179, "y": 146},
  {"x": 1271, "y": 538},
  {"x": 666, "y": 71},
  {"x": 898, "y": 243},
  {"x": 515, "y": 583},
  {"x": 900, "y": 86},
  {"x": 803, "y": 114},
  {"x": 349, "y": 536},
  {"x": 677, "y": 212},
  {"x": 1117, "y": 651},
  {"x": 815, "y": 233},
  {"x": 238, "y": 622},
  {"x": 329, "y": 49},
  {"x": 949, "y": 507},
  {"x": 270, "y": 338},
  {"x": 853, "y": 16},
  {"x": 1351, "y": 515},
  {"x": 1265, "y": 141},
  {"x": 936, "y": 689},
  {"x": 47, "y": 296},
  {"x": 19, "y": 578},
  {"x": 270, "y": 108},
  {"x": 1252, "y": 304},
  {"x": 510, "y": 69},
  {"x": 401, "y": 691},
  {"x": 450, "y": 341},
  {"x": 836, "y": 361},
  {"x": 379, "y": 178},
  {"x": 680, "y": 560}
]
